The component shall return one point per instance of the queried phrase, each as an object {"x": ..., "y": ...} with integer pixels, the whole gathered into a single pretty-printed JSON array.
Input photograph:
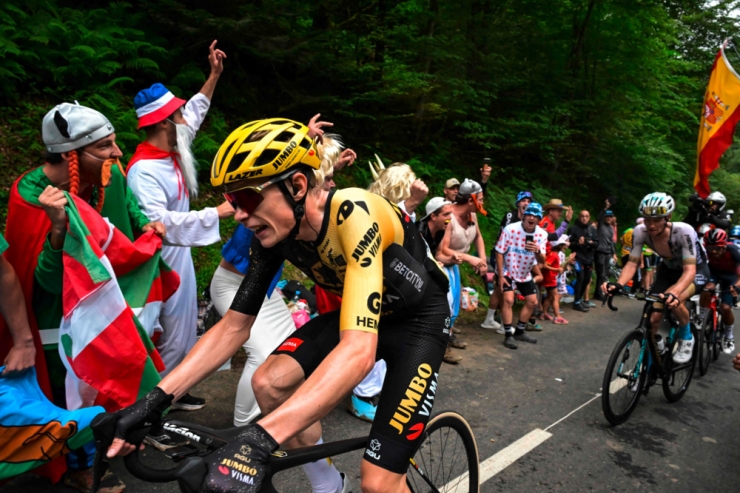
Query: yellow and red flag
[{"x": 718, "y": 119}]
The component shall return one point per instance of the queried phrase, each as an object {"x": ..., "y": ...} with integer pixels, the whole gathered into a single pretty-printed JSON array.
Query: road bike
[
  {"x": 636, "y": 364},
  {"x": 711, "y": 331},
  {"x": 446, "y": 461}
]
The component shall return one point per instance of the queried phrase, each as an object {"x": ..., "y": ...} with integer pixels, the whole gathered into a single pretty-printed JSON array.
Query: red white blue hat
[{"x": 155, "y": 104}]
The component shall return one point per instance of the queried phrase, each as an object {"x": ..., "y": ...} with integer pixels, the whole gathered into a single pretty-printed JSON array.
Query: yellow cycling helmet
[{"x": 263, "y": 149}]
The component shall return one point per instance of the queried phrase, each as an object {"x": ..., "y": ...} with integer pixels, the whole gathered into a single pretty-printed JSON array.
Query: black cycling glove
[
  {"x": 143, "y": 413},
  {"x": 240, "y": 466}
]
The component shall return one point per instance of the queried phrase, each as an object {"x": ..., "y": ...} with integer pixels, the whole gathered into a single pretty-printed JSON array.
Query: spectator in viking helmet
[{"x": 82, "y": 159}]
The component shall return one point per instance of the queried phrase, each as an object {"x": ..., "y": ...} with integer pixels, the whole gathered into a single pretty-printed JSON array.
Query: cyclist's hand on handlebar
[
  {"x": 671, "y": 300},
  {"x": 611, "y": 288},
  {"x": 138, "y": 415},
  {"x": 240, "y": 466}
]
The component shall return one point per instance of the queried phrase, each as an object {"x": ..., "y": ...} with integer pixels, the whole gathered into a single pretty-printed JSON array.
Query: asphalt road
[{"x": 553, "y": 385}]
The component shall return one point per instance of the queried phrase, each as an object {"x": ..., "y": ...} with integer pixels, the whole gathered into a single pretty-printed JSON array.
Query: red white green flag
[{"x": 103, "y": 342}]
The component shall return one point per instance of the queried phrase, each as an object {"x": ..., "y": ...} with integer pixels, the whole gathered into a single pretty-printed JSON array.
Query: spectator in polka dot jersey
[{"x": 521, "y": 246}]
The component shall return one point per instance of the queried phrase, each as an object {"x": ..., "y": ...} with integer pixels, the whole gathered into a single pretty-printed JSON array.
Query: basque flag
[{"x": 718, "y": 119}]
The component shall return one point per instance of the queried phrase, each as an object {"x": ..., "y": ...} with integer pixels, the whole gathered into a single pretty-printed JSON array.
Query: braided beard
[{"x": 187, "y": 160}]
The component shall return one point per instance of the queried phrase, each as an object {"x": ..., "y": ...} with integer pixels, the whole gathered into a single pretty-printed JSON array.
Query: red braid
[
  {"x": 74, "y": 173},
  {"x": 101, "y": 199}
]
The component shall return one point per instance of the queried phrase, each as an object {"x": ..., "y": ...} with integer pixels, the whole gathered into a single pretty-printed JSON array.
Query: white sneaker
[
  {"x": 728, "y": 346},
  {"x": 684, "y": 351},
  {"x": 490, "y": 324}
]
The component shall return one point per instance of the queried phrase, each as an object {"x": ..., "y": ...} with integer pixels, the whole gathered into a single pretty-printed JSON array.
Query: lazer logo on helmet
[
  {"x": 414, "y": 395},
  {"x": 367, "y": 242},
  {"x": 245, "y": 175},
  {"x": 284, "y": 155}
]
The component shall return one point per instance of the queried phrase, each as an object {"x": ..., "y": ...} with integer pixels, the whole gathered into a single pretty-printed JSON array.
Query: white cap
[
  {"x": 560, "y": 241},
  {"x": 70, "y": 126},
  {"x": 434, "y": 204}
]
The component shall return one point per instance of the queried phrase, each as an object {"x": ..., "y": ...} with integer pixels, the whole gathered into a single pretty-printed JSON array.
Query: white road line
[
  {"x": 617, "y": 385},
  {"x": 506, "y": 457}
]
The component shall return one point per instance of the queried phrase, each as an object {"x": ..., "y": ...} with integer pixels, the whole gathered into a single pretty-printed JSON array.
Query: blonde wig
[
  {"x": 329, "y": 151},
  {"x": 393, "y": 182}
]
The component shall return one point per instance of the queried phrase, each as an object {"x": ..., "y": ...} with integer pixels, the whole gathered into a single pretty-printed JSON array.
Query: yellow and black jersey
[{"x": 368, "y": 251}]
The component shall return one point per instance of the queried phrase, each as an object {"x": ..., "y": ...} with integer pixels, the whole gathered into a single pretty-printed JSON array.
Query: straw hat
[{"x": 554, "y": 204}]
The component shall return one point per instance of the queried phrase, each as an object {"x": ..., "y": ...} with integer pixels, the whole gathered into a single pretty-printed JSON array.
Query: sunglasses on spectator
[{"x": 249, "y": 198}]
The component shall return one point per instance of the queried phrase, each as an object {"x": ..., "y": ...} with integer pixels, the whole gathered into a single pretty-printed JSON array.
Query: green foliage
[{"x": 576, "y": 99}]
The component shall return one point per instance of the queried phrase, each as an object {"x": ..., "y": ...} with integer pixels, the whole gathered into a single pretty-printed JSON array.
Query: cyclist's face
[
  {"x": 272, "y": 220},
  {"x": 655, "y": 225},
  {"x": 716, "y": 251}
]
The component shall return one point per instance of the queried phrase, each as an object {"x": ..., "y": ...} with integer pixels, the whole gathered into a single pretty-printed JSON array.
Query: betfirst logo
[{"x": 415, "y": 395}]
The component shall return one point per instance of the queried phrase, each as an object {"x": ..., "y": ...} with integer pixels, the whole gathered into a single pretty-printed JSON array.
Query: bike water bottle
[{"x": 659, "y": 344}]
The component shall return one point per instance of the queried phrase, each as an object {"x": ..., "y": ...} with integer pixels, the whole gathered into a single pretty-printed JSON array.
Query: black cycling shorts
[
  {"x": 525, "y": 288},
  {"x": 412, "y": 344},
  {"x": 665, "y": 278}
]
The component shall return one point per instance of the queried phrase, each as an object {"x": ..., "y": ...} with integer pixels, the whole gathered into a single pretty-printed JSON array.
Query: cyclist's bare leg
[
  {"x": 507, "y": 308},
  {"x": 680, "y": 313},
  {"x": 273, "y": 383},
  {"x": 375, "y": 479},
  {"x": 706, "y": 295}
]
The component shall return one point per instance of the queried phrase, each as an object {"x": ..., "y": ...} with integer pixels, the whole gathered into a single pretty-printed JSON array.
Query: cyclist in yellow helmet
[{"x": 394, "y": 306}]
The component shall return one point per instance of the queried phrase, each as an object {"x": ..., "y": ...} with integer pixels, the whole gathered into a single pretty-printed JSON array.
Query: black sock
[
  {"x": 520, "y": 326},
  {"x": 507, "y": 328}
]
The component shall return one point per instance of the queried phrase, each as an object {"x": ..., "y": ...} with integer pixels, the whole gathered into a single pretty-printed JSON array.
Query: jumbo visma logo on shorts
[{"x": 419, "y": 400}]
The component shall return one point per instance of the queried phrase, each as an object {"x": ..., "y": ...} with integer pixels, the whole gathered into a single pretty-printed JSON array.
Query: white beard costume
[{"x": 162, "y": 196}]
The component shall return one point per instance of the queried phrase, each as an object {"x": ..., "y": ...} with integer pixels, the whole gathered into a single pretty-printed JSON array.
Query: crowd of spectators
[{"x": 542, "y": 255}]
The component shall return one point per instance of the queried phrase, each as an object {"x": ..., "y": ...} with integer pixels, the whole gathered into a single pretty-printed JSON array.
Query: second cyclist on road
[{"x": 682, "y": 272}]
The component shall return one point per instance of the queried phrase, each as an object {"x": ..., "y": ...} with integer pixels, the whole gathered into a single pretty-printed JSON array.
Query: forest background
[{"x": 575, "y": 99}]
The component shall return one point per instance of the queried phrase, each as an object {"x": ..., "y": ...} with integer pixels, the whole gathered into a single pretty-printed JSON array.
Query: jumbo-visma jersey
[{"x": 368, "y": 251}]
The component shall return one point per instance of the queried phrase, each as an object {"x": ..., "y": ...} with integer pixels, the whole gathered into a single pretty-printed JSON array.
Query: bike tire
[
  {"x": 705, "y": 342},
  {"x": 447, "y": 456},
  {"x": 716, "y": 339},
  {"x": 678, "y": 378},
  {"x": 620, "y": 391}
]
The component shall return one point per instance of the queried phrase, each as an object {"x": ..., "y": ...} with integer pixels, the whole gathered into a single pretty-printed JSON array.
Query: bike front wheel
[
  {"x": 623, "y": 379},
  {"x": 678, "y": 375},
  {"x": 447, "y": 459}
]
